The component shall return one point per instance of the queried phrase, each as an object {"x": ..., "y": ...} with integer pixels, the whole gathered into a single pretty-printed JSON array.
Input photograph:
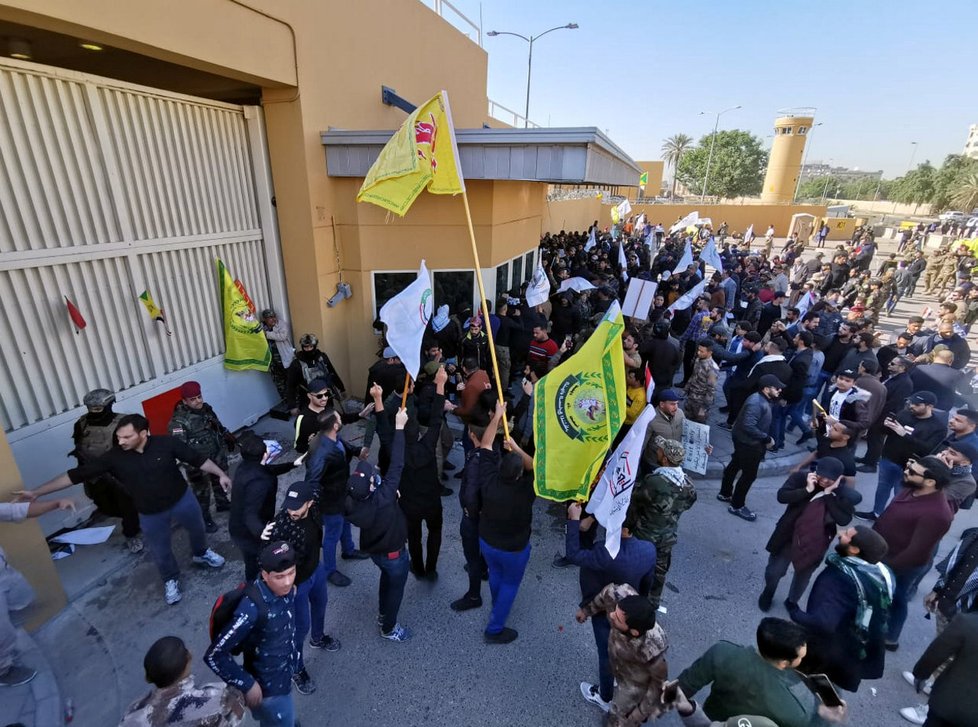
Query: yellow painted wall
[
  {"x": 784, "y": 163},
  {"x": 655, "y": 169},
  {"x": 25, "y": 547},
  {"x": 579, "y": 214}
]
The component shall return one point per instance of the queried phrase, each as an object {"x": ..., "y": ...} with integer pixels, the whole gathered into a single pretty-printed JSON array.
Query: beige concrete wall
[
  {"x": 25, "y": 547},
  {"x": 784, "y": 163},
  {"x": 579, "y": 214}
]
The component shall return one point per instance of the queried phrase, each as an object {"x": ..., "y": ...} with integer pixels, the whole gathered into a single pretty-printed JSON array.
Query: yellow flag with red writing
[{"x": 422, "y": 154}]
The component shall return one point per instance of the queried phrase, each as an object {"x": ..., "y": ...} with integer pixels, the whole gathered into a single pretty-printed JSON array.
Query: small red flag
[
  {"x": 75, "y": 315},
  {"x": 649, "y": 384}
]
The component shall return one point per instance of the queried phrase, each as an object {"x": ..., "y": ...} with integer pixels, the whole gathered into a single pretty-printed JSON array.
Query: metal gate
[{"x": 106, "y": 190}]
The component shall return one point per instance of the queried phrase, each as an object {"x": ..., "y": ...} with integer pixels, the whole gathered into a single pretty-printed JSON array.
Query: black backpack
[{"x": 227, "y": 603}]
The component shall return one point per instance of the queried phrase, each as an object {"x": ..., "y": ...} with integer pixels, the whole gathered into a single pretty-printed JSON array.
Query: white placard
[
  {"x": 696, "y": 438},
  {"x": 638, "y": 299}
]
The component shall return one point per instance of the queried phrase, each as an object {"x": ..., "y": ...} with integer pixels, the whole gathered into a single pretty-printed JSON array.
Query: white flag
[
  {"x": 592, "y": 240},
  {"x": 686, "y": 260},
  {"x": 538, "y": 290},
  {"x": 691, "y": 219},
  {"x": 624, "y": 208},
  {"x": 622, "y": 262},
  {"x": 407, "y": 315},
  {"x": 578, "y": 284},
  {"x": 749, "y": 234},
  {"x": 804, "y": 303},
  {"x": 710, "y": 255},
  {"x": 613, "y": 493},
  {"x": 686, "y": 299}
]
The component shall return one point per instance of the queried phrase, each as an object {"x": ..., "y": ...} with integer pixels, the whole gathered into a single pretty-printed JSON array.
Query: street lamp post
[
  {"x": 913, "y": 153},
  {"x": 828, "y": 178},
  {"x": 713, "y": 141},
  {"x": 529, "y": 60},
  {"x": 804, "y": 161}
]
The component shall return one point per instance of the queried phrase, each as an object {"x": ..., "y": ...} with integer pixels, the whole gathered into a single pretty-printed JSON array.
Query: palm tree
[
  {"x": 965, "y": 197},
  {"x": 673, "y": 149}
]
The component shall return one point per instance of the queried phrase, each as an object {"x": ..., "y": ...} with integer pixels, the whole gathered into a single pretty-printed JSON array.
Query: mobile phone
[
  {"x": 670, "y": 693},
  {"x": 812, "y": 466},
  {"x": 824, "y": 690}
]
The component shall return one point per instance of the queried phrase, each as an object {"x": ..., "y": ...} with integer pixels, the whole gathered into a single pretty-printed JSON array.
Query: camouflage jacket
[
  {"x": 702, "y": 384},
  {"x": 202, "y": 430},
  {"x": 186, "y": 705},
  {"x": 638, "y": 663},
  {"x": 658, "y": 501}
]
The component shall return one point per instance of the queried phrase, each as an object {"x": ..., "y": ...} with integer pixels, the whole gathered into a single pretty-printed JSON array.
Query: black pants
[
  {"x": 469, "y": 530},
  {"x": 746, "y": 459},
  {"x": 689, "y": 357},
  {"x": 203, "y": 484},
  {"x": 433, "y": 519},
  {"x": 112, "y": 500},
  {"x": 934, "y": 721},
  {"x": 249, "y": 554},
  {"x": 874, "y": 442}
]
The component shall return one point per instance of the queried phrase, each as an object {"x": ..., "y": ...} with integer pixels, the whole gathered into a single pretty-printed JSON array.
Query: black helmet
[
  {"x": 661, "y": 329},
  {"x": 98, "y": 398},
  {"x": 309, "y": 339}
]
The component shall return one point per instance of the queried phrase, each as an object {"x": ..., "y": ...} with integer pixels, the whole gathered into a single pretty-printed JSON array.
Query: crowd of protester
[{"x": 790, "y": 337}]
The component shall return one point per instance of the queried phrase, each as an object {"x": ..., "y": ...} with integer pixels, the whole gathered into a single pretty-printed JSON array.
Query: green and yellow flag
[
  {"x": 643, "y": 179},
  {"x": 577, "y": 412},
  {"x": 421, "y": 154},
  {"x": 245, "y": 344}
]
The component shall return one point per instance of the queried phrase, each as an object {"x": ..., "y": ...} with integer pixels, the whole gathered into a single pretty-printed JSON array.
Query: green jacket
[
  {"x": 744, "y": 683},
  {"x": 202, "y": 430},
  {"x": 657, "y": 503}
]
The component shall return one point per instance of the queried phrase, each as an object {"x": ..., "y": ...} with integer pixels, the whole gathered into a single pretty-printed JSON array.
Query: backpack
[{"x": 227, "y": 603}]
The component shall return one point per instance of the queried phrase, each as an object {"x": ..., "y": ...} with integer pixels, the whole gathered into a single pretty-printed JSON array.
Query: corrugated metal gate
[{"x": 108, "y": 189}]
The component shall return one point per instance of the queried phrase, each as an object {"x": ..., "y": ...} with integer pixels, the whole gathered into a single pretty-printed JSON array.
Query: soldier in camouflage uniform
[
  {"x": 933, "y": 269},
  {"x": 701, "y": 389},
  {"x": 657, "y": 502},
  {"x": 636, "y": 649},
  {"x": 94, "y": 435},
  {"x": 195, "y": 422},
  {"x": 175, "y": 700}
]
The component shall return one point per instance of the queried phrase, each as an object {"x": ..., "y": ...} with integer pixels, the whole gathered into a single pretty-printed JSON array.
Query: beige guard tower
[{"x": 784, "y": 165}]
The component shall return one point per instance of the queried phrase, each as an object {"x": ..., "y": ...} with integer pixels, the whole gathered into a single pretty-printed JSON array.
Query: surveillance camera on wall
[{"x": 343, "y": 291}]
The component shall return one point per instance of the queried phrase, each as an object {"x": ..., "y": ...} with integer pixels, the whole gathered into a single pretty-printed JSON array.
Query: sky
[{"x": 880, "y": 73}]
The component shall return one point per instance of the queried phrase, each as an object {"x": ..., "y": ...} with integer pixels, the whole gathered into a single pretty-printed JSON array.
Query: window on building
[
  {"x": 528, "y": 267},
  {"x": 786, "y": 131},
  {"x": 502, "y": 279},
  {"x": 454, "y": 287},
  {"x": 802, "y": 129},
  {"x": 387, "y": 285},
  {"x": 517, "y": 272}
]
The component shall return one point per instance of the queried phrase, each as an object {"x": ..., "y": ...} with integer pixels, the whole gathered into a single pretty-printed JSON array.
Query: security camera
[{"x": 343, "y": 291}]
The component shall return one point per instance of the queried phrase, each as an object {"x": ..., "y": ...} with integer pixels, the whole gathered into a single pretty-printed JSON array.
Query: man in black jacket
[
  {"x": 371, "y": 505},
  {"x": 947, "y": 336},
  {"x": 420, "y": 488},
  {"x": 898, "y": 388},
  {"x": 942, "y": 378},
  {"x": 911, "y": 432},
  {"x": 253, "y": 491},
  {"x": 847, "y": 611},
  {"x": 817, "y": 503},
  {"x": 661, "y": 355}
]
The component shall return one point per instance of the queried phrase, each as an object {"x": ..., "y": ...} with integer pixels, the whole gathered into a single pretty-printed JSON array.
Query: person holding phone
[{"x": 692, "y": 714}]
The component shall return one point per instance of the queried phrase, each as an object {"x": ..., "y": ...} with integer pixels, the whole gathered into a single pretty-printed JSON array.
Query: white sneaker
[
  {"x": 917, "y": 715},
  {"x": 909, "y": 679},
  {"x": 209, "y": 558},
  {"x": 172, "y": 592},
  {"x": 591, "y": 694}
]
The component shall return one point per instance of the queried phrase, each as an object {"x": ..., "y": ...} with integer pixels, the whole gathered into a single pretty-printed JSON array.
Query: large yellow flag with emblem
[
  {"x": 577, "y": 411},
  {"x": 245, "y": 344},
  {"x": 421, "y": 154}
]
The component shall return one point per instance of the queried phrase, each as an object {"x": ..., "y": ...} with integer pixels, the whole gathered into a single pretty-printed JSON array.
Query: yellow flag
[
  {"x": 245, "y": 344},
  {"x": 577, "y": 412},
  {"x": 643, "y": 179},
  {"x": 615, "y": 215},
  {"x": 421, "y": 154},
  {"x": 154, "y": 311}
]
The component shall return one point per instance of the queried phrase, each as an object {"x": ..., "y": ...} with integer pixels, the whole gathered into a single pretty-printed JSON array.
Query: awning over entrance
[{"x": 581, "y": 155}]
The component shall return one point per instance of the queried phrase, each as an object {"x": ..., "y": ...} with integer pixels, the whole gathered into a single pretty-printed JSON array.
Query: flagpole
[
  {"x": 407, "y": 385},
  {"x": 484, "y": 307}
]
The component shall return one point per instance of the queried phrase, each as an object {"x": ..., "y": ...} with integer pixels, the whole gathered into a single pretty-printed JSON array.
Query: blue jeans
[
  {"x": 393, "y": 576},
  {"x": 335, "y": 530},
  {"x": 157, "y": 532},
  {"x": 889, "y": 483},
  {"x": 277, "y": 711},
  {"x": 779, "y": 420},
  {"x": 311, "y": 598},
  {"x": 905, "y": 582},
  {"x": 506, "y": 570},
  {"x": 606, "y": 680}
]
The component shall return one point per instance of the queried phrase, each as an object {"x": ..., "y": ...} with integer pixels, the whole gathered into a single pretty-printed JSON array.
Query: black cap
[
  {"x": 298, "y": 494},
  {"x": 923, "y": 397},
  {"x": 317, "y": 385},
  {"x": 359, "y": 483},
  {"x": 848, "y": 373},
  {"x": 829, "y": 468},
  {"x": 670, "y": 395},
  {"x": 770, "y": 380},
  {"x": 277, "y": 557}
]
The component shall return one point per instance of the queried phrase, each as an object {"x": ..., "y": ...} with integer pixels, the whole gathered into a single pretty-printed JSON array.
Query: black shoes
[
  {"x": 866, "y": 468},
  {"x": 866, "y": 515},
  {"x": 804, "y": 438},
  {"x": 764, "y": 600},
  {"x": 466, "y": 603},
  {"x": 506, "y": 636},
  {"x": 447, "y": 491},
  {"x": 338, "y": 579}
]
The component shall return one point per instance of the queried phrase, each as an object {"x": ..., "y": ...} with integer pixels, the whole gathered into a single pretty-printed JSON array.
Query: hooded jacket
[{"x": 383, "y": 528}]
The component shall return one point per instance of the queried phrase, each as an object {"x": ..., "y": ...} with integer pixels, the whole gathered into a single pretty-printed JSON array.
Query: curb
[
  {"x": 769, "y": 467},
  {"x": 48, "y": 709}
]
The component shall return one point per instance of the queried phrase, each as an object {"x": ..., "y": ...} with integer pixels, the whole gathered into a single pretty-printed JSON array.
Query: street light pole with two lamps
[
  {"x": 529, "y": 61},
  {"x": 709, "y": 159}
]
